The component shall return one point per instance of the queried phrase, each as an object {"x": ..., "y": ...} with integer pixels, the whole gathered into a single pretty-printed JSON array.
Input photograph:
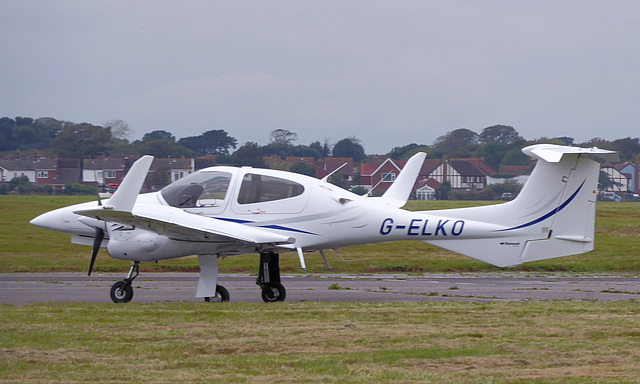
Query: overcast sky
[{"x": 387, "y": 72}]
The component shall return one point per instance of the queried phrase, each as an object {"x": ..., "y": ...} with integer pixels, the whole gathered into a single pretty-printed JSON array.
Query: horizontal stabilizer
[{"x": 553, "y": 153}]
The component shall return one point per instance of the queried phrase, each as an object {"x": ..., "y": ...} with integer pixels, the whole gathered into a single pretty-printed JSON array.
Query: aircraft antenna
[
  {"x": 95, "y": 177},
  {"x": 326, "y": 178}
]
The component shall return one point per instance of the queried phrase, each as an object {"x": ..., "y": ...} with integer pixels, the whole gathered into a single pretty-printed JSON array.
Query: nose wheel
[{"x": 122, "y": 291}]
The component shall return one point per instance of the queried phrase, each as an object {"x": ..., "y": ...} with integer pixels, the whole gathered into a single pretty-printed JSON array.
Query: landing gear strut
[
  {"x": 269, "y": 278},
  {"x": 122, "y": 292}
]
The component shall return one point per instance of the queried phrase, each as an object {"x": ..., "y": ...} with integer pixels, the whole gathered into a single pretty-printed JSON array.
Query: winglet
[
  {"x": 400, "y": 190},
  {"x": 125, "y": 196}
]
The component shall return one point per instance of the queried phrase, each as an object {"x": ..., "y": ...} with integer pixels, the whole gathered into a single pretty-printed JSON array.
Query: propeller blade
[{"x": 96, "y": 247}]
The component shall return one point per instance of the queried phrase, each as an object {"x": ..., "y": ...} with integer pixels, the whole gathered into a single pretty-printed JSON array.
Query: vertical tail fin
[{"x": 553, "y": 216}]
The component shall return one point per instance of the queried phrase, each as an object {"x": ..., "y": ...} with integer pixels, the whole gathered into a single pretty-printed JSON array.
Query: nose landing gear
[{"x": 122, "y": 291}]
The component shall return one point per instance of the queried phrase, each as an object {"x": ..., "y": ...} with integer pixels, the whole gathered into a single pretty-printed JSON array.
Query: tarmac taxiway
[{"x": 25, "y": 288}]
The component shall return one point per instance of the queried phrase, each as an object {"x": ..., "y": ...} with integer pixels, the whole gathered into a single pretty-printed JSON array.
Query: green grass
[
  {"x": 534, "y": 342},
  {"x": 25, "y": 248}
]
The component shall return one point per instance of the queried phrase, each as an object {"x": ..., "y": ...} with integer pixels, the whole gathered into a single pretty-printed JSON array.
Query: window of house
[
  {"x": 43, "y": 174},
  {"x": 389, "y": 177},
  {"x": 110, "y": 174},
  {"x": 177, "y": 175}
]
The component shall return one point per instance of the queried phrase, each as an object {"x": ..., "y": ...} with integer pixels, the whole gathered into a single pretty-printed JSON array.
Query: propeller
[{"x": 96, "y": 247}]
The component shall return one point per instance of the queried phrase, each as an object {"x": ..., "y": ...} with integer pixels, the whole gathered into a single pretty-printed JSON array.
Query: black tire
[
  {"x": 273, "y": 292},
  {"x": 222, "y": 295},
  {"x": 121, "y": 292}
]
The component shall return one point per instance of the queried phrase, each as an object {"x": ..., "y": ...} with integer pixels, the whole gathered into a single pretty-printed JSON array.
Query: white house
[{"x": 620, "y": 180}]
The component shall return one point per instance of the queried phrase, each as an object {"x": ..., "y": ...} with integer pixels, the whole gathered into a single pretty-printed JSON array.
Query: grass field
[
  {"x": 25, "y": 248},
  {"x": 532, "y": 342}
]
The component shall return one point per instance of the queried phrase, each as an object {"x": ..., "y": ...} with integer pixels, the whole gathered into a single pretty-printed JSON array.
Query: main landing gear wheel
[
  {"x": 222, "y": 295},
  {"x": 269, "y": 278},
  {"x": 121, "y": 292},
  {"x": 273, "y": 292}
]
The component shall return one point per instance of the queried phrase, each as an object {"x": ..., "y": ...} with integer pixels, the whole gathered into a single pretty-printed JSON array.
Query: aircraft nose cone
[{"x": 52, "y": 220}]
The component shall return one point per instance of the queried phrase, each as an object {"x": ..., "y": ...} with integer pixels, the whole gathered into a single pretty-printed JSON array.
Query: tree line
[
  {"x": 500, "y": 145},
  {"x": 497, "y": 145}
]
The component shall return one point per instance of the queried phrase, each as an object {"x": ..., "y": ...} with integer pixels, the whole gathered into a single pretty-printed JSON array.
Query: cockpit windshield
[{"x": 200, "y": 189}]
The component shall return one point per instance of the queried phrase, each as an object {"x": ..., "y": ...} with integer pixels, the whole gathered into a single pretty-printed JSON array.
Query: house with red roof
[
  {"x": 106, "y": 170},
  {"x": 42, "y": 170},
  {"x": 378, "y": 176},
  {"x": 461, "y": 173},
  {"x": 109, "y": 171}
]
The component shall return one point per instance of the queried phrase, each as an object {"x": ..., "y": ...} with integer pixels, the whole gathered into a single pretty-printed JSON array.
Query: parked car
[{"x": 610, "y": 196}]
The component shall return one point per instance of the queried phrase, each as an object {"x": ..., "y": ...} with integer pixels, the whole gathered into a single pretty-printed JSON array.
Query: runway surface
[{"x": 24, "y": 288}]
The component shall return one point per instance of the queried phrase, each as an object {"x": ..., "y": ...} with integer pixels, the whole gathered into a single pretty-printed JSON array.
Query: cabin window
[
  {"x": 200, "y": 189},
  {"x": 260, "y": 188}
]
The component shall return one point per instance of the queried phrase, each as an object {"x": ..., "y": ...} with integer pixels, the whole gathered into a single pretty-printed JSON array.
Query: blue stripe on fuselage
[{"x": 270, "y": 226}]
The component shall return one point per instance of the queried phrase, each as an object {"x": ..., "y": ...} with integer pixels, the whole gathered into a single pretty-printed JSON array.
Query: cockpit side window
[
  {"x": 260, "y": 188},
  {"x": 200, "y": 189}
]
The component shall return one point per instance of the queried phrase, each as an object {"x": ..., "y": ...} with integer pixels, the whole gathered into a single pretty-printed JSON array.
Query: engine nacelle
[
  {"x": 143, "y": 245},
  {"x": 134, "y": 245}
]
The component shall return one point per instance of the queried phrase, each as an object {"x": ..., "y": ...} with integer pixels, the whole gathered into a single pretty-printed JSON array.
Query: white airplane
[{"x": 224, "y": 211}]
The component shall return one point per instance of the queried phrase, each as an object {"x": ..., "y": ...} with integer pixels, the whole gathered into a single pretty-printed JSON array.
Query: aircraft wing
[{"x": 180, "y": 225}]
